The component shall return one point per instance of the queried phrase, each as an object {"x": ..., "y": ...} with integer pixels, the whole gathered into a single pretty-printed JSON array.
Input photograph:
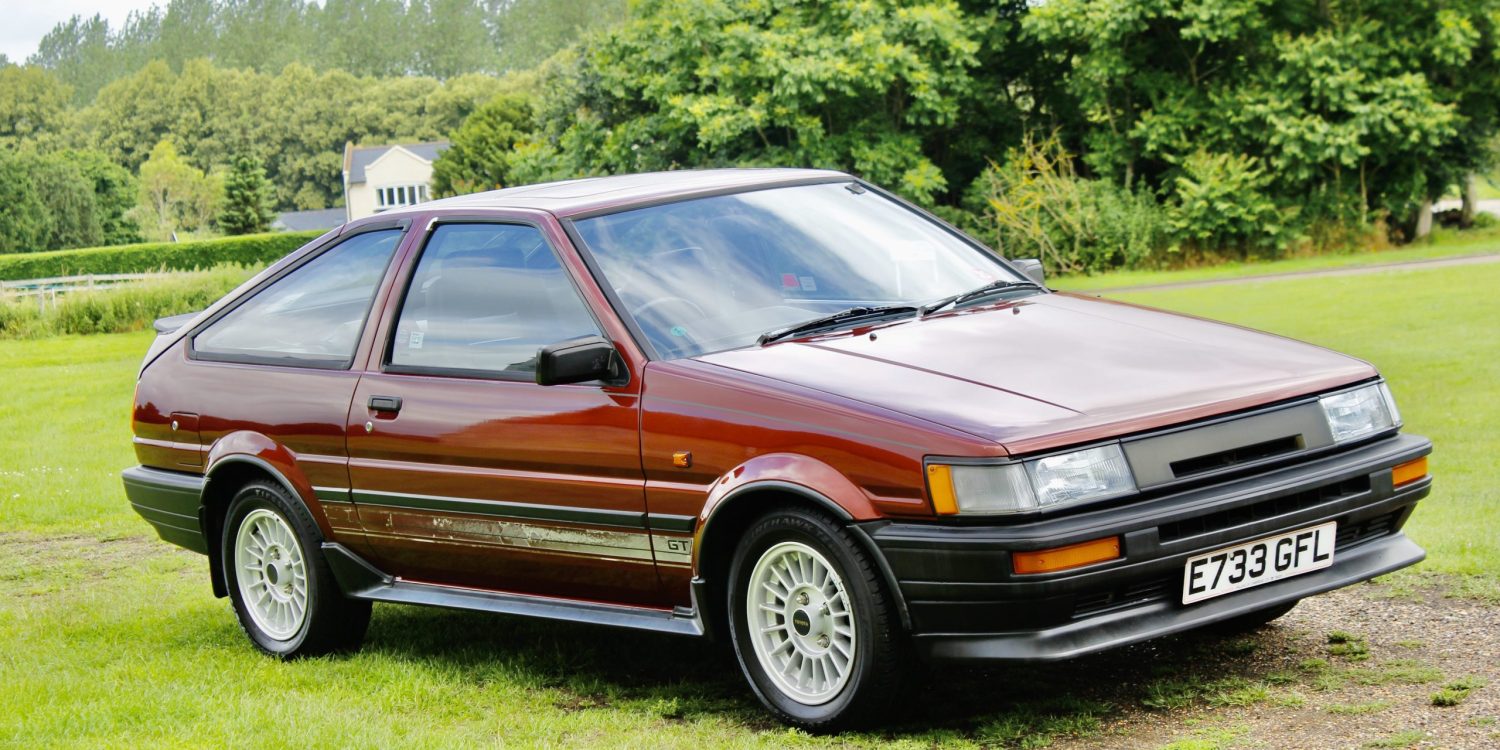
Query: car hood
[{"x": 1053, "y": 370}]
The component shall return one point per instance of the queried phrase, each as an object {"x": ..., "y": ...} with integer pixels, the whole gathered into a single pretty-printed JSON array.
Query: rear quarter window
[{"x": 313, "y": 316}]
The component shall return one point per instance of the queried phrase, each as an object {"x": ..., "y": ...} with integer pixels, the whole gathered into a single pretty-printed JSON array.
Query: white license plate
[{"x": 1251, "y": 564}]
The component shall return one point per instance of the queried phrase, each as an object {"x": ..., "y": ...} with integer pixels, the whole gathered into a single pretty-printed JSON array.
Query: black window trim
[
  {"x": 402, "y": 225},
  {"x": 586, "y": 253},
  {"x": 509, "y": 376}
]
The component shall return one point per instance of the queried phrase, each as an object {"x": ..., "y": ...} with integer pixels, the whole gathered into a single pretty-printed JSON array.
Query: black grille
[
  {"x": 1244, "y": 454},
  {"x": 1210, "y": 522}
]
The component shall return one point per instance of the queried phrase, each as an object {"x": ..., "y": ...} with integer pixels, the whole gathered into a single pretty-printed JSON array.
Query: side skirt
[{"x": 361, "y": 580}]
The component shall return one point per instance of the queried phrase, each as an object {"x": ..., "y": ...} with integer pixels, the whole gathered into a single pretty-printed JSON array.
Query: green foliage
[
  {"x": 33, "y": 106},
  {"x": 248, "y": 250},
  {"x": 874, "y": 87},
  {"x": 115, "y": 193},
  {"x": 1219, "y": 201},
  {"x": 129, "y": 307},
  {"x": 438, "y": 38},
  {"x": 1035, "y": 204},
  {"x": 247, "y": 198},
  {"x": 174, "y": 195},
  {"x": 1457, "y": 692},
  {"x": 483, "y": 148},
  {"x": 58, "y": 200},
  {"x": 1371, "y": 107}
]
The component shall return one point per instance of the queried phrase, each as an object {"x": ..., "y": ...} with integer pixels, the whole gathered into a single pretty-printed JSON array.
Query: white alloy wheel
[
  {"x": 801, "y": 623},
  {"x": 271, "y": 573}
]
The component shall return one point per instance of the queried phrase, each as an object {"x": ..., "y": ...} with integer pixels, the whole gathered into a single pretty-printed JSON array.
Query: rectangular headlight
[
  {"x": 1079, "y": 477},
  {"x": 1360, "y": 412}
]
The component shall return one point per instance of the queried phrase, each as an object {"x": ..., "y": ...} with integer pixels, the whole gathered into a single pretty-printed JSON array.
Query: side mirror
[
  {"x": 1032, "y": 268},
  {"x": 578, "y": 361}
]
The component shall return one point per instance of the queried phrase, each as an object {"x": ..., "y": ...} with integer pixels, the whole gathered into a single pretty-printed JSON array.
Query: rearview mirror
[
  {"x": 1033, "y": 269},
  {"x": 578, "y": 361}
]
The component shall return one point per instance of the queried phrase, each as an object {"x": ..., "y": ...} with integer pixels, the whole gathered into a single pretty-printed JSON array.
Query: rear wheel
[
  {"x": 813, "y": 628},
  {"x": 285, "y": 596}
]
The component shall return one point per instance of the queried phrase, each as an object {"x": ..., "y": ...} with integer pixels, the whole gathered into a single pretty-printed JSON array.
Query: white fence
[{"x": 46, "y": 291}]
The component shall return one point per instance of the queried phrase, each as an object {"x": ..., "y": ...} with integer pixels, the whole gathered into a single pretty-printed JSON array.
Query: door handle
[{"x": 385, "y": 404}]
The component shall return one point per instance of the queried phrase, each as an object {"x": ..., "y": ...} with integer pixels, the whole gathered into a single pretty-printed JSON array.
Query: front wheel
[
  {"x": 814, "y": 630},
  {"x": 285, "y": 596}
]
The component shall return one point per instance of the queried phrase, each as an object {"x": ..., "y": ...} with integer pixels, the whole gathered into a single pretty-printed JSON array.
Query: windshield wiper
[
  {"x": 842, "y": 316},
  {"x": 990, "y": 288}
]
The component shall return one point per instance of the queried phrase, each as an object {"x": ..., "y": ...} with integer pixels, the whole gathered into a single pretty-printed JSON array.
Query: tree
[
  {"x": 174, "y": 195},
  {"x": 49, "y": 202},
  {"x": 482, "y": 148},
  {"x": 247, "y": 198},
  {"x": 115, "y": 194},
  {"x": 875, "y": 87},
  {"x": 24, "y": 223},
  {"x": 33, "y": 106}
]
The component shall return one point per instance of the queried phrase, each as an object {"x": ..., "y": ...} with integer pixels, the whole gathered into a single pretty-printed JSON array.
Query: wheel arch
[
  {"x": 730, "y": 515},
  {"x": 224, "y": 477}
]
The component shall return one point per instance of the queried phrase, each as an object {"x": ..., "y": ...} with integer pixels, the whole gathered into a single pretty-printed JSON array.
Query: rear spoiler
[{"x": 170, "y": 324}]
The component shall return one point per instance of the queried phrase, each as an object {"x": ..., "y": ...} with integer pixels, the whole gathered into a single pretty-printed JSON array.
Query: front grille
[
  {"x": 1235, "y": 456},
  {"x": 1210, "y": 522}
]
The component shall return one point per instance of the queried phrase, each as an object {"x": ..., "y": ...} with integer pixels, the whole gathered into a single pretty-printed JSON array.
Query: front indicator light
[
  {"x": 1065, "y": 558},
  {"x": 1409, "y": 472}
]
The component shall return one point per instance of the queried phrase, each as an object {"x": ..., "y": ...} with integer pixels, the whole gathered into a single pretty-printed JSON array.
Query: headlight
[
  {"x": 1071, "y": 478},
  {"x": 1360, "y": 412}
]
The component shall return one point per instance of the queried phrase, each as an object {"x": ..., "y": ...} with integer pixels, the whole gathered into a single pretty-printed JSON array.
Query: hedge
[{"x": 246, "y": 250}]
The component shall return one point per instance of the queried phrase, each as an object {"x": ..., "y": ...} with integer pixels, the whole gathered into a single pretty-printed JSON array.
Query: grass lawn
[
  {"x": 112, "y": 638},
  {"x": 1445, "y": 244}
]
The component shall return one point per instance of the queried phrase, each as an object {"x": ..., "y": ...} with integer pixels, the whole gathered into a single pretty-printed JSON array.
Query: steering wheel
[{"x": 650, "y": 305}]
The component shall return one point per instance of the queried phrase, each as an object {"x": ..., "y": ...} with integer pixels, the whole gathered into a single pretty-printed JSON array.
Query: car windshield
[{"x": 711, "y": 274}]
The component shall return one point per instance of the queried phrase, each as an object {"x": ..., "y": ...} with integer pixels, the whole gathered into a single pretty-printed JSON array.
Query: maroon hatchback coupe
[{"x": 778, "y": 407}]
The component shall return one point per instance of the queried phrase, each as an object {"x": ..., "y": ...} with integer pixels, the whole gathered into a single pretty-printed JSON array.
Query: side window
[
  {"x": 485, "y": 298},
  {"x": 312, "y": 316}
]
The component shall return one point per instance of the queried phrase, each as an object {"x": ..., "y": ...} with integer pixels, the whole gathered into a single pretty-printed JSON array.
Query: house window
[{"x": 396, "y": 196}]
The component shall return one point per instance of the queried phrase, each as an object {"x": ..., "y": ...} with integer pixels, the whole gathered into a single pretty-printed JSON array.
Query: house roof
[
  {"x": 573, "y": 197},
  {"x": 357, "y": 158},
  {"x": 303, "y": 221}
]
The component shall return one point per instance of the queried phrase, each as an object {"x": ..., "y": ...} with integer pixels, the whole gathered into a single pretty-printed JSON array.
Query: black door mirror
[
  {"x": 578, "y": 361},
  {"x": 1032, "y": 268}
]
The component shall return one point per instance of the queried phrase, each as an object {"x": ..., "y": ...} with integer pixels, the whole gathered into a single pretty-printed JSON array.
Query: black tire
[
  {"x": 880, "y": 661},
  {"x": 1252, "y": 620},
  {"x": 332, "y": 623}
]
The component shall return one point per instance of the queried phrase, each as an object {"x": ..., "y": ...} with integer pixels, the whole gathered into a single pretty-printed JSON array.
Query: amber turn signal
[
  {"x": 1409, "y": 472},
  {"x": 1063, "y": 558},
  {"x": 940, "y": 487}
]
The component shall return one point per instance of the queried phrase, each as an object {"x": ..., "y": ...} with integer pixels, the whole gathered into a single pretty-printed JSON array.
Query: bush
[
  {"x": 1035, "y": 204},
  {"x": 129, "y": 307},
  {"x": 248, "y": 250},
  {"x": 1219, "y": 202}
]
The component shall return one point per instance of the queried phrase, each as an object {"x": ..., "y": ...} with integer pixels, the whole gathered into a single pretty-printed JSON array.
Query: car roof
[{"x": 605, "y": 194}]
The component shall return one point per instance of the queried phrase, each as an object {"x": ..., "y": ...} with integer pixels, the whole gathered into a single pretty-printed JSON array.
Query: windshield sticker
[
  {"x": 415, "y": 340},
  {"x": 679, "y": 331},
  {"x": 809, "y": 284},
  {"x": 789, "y": 281}
]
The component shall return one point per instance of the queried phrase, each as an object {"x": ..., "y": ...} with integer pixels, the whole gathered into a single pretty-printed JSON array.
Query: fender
[
  {"x": 788, "y": 472},
  {"x": 809, "y": 479},
  {"x": 255, "y": 449}
]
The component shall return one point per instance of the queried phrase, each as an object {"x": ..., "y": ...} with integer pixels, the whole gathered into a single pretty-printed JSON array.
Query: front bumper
[{"x": 964, "y": 602}]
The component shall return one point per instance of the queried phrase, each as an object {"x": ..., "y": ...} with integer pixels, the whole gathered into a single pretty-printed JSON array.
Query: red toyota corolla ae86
[{"x": 781, "y": 408}]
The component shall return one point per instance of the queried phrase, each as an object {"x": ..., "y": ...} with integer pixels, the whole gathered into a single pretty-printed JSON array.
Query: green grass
[
  {"x": 112, "y": 638},
  {"x": 1444, "y": 244}
]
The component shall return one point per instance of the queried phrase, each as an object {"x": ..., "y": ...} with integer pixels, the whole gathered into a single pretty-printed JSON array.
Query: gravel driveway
[{"x": 1398, "y": 646}]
